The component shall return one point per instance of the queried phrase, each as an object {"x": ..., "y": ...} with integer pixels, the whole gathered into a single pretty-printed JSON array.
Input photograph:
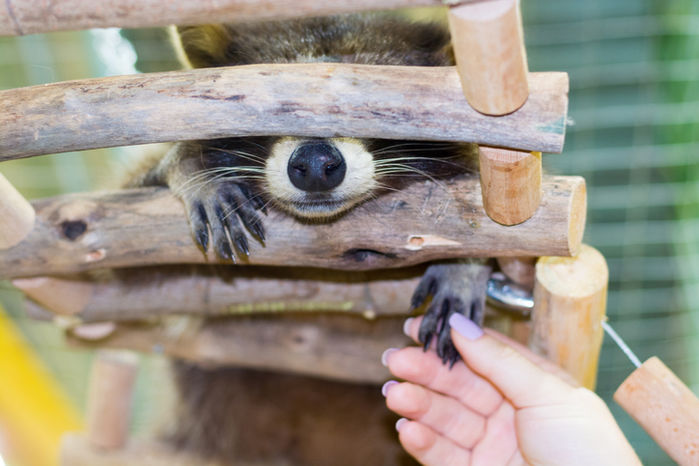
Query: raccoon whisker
[
  {"x": 425, "y": 174},
  {"x": 243, "y": 155},
  {"x": 206, "y": 175},
  {"x": 415, "y": 145}
]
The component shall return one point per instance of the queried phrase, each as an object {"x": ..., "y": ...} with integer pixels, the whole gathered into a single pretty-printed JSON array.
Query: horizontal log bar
[
  {"x": 323, "y": 100},
  {"x": 424, "y": 222},
  {"x": 77, "y": 451},
  {"x": 340, "y": 347},
  {"x": 145, "y": 293},
  {"x": 18, "y": 17}
]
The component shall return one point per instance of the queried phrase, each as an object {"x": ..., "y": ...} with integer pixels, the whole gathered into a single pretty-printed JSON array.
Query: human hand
[{"x": 501, "y": 405}]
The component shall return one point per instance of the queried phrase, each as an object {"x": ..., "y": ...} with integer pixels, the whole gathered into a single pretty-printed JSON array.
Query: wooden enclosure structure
[{"x": 489, "y": 98}]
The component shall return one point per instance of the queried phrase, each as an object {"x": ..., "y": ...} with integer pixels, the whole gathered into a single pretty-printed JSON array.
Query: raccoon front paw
[
  {"x": 453, "y": 287},
  {"x": 223, "y": 207}
]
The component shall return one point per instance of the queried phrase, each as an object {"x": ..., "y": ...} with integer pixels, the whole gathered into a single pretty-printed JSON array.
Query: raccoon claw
[
  {"x": 454, "y": 288},
  {"x": 220, "y": 212}
]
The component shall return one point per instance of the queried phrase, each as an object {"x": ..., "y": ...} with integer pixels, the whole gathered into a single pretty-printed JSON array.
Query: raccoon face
[{"x": 319, "y": 178}]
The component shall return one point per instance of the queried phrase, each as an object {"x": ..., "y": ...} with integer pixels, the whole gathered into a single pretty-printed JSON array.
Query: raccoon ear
[{"x": 203, "y": 46}]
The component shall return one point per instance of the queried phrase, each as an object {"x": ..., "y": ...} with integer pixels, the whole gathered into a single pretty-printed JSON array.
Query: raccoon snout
[{"x": 316, "y": 167}]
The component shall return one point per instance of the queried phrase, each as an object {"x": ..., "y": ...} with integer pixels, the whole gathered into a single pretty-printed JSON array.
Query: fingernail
[
  {"x": 387, "y": 386},
  {"x": 400, "y": 422},
  {"x": 384, "y": 355},
  {"x": 406, "y": 325},
  {"x": 465, "y": 327}
]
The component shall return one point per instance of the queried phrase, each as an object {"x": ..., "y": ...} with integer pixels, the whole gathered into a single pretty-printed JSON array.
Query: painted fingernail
[
  {"x": 400, "y": 422},
  {"x": 387, "y": 386},
  {"x": 384, "y": 355},
  {"x": 465, "y": 327},
  {"x": 406, "y": 325}
]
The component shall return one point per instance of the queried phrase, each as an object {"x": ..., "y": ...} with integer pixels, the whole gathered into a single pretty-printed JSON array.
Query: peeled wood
[
  {"x": 340, "y": 347},
  {"x": 510, "y": 183},
  {"x": 570, "y": 301},
  {"x": 324, "y": 100},
  {"x": 658, "y": 400},
  {"x": 109, "y": 399},
  {"x": 489, "y": 50},
  {"x": 18, "y": 17},
  {"x": 76, "y": 451},
  {"x": 423, "y": 222},
  {"x": 16, "y": 215},
  {"x": 143, "y": 294}
]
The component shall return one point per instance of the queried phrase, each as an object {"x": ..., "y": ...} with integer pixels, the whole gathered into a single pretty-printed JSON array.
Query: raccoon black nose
[{"x": 316, "y": 166}]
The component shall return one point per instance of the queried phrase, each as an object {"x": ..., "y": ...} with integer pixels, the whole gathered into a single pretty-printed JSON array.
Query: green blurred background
[{"x": 634, "y": 106}]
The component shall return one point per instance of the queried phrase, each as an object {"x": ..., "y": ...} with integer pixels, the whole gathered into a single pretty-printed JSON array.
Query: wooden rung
[
  {"x": 62, "y": 296},
  {"x": 570, "y": 301},
  {"x": 423, "y": 222},
  {"x": 489, "y": 50},
  {"x": 16, "y": 215},
  {"x": 340, "y": 347},
  {"x": 510, "y": 183},
  {"x": 143, "y": 294},
  {"x": 109, "y": 399},
  {"x": 77, "y": 451},
  {"x": 314, "y": 99},
  {"x": 34, "y": 16},
  {"x": 658, "y": 400}
]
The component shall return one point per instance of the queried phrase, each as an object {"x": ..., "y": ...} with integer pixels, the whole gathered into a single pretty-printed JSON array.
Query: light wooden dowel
[
  {"x": 143, "y": 294},
  {"x": 519, "y": 269},
  {"x": 510, "y": 183},
  {"x": 340, "y": 347},
  {"x": 665, "y": 407},
  {"x": 489, "y": 51},
  {"x": 323, "y": 100},
  {"x": 423, "y": 222},
  {"x": 109, "y": 399},
  {"x": 570, "y": 299},
  {"x": 77, "y": 451},
  {"x": 16, "y": 215},
  {"x": 19, "y": 17}
]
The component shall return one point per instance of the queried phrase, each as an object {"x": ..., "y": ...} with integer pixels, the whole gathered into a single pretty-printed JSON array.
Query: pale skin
[{"x": 501, "y": 405}]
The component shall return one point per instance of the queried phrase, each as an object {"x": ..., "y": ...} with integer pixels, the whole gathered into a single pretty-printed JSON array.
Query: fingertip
[
  {"x": 408, "y": 325},
  {"x": 465, "y": 327}
]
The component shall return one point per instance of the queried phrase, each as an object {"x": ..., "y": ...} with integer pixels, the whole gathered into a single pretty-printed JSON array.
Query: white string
[{"x": 620, "y": 342}]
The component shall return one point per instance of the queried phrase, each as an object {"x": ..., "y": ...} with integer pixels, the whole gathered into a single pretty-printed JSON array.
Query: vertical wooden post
[
  {"x": 510, "y": 184},
  {"x": 16, "y": 215},
  {"x": 570, "y": 296},
  {"x": 489, "y": 50},
  {"x": 665, "y": 408},
  {"x": 109, "y": 399}
]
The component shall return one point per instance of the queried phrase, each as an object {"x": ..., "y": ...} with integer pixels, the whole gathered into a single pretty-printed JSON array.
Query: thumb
[{"x": 520, "y": 380}]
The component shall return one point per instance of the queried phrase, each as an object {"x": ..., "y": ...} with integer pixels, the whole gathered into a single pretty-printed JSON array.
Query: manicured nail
[
  {"x": 406, "y": 325},
  {"x": 400, "y": 422},
  {"x": 384, "y": 356},
  {"x": 387, "y": 386},
  {"x": 465, "y": 327}
]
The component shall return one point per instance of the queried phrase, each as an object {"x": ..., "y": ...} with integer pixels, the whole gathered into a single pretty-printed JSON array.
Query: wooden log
[
  {"x": 77, "y": 451},
  {"x": 16, "y": 213},
  {"x": 62, "y": 296},
  {"x": 109, "y": 399},
  {"x": 489, "y": 50},
  {"x": 18, "y": 17},
  {"x": 142, "y": 294},
  {"x": 510, "y": 183},
  {"x": 570, "y": 299},
  {"x": 658, "y": 400},
  {"x": 339, "y": 346},
  {"x": 324, "y": 100},
  {"x": 423, "y": 222}
]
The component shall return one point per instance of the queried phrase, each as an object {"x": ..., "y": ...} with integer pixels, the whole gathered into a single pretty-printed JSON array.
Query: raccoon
[{"x": 227, "y": 185}]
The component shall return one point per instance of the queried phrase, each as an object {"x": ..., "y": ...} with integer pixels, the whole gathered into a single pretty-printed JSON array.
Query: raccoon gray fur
[{"x": 316, "y": 179}]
